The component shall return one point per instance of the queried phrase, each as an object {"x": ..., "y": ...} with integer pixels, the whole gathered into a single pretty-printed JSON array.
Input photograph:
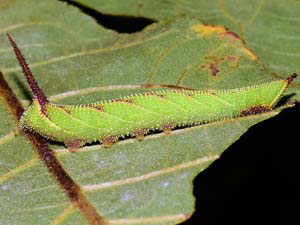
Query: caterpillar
[{"x": 136, "y": 115}]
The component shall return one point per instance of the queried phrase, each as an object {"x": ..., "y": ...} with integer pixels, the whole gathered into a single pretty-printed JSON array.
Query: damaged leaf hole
[{"x": 119, "y": 23}]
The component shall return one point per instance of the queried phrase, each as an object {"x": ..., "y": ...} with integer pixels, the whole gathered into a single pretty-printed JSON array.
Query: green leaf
[
  {"x": 76, "y": 61},
  {"x": 268, "y": 27}
]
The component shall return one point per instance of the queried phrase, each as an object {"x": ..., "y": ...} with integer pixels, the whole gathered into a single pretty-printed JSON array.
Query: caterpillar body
[{"x": 136, "y": 115}]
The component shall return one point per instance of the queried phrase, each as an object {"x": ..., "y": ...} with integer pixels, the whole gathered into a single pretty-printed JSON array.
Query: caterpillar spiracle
[{"x": 136, "y": 115}]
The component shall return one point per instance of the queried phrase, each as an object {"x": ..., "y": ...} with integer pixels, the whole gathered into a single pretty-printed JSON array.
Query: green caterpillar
[{"x": 135, "y": 115}]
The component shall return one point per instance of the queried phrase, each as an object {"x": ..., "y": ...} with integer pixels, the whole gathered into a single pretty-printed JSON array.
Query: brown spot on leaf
[
  {"x": 233, "y": 35},
  {"x": 233, "y": 61},
  {"x": 214, "y": 69},
  {"x": 213, "y": 64},
  {"x": 254, "y": 110},
  {"x": 231, "y": 58}
]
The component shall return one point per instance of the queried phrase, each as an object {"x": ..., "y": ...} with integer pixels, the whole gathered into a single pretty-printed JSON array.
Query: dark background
[{"x": 255, "y": 181}]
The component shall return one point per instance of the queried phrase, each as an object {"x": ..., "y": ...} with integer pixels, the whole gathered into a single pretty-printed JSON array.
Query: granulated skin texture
[{"x": 134, "y": 115}]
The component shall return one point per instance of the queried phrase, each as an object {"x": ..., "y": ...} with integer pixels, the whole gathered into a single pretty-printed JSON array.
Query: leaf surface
[{"x": 268, "y": 27}]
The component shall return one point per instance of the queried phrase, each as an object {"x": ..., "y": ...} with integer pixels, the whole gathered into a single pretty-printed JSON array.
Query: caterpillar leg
[
  {"x": 168, "y": 128},
  {"x": 74, "y": 145},
  {"x": 140, "y": 134},
  {"x": 109, "y": 141}
]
